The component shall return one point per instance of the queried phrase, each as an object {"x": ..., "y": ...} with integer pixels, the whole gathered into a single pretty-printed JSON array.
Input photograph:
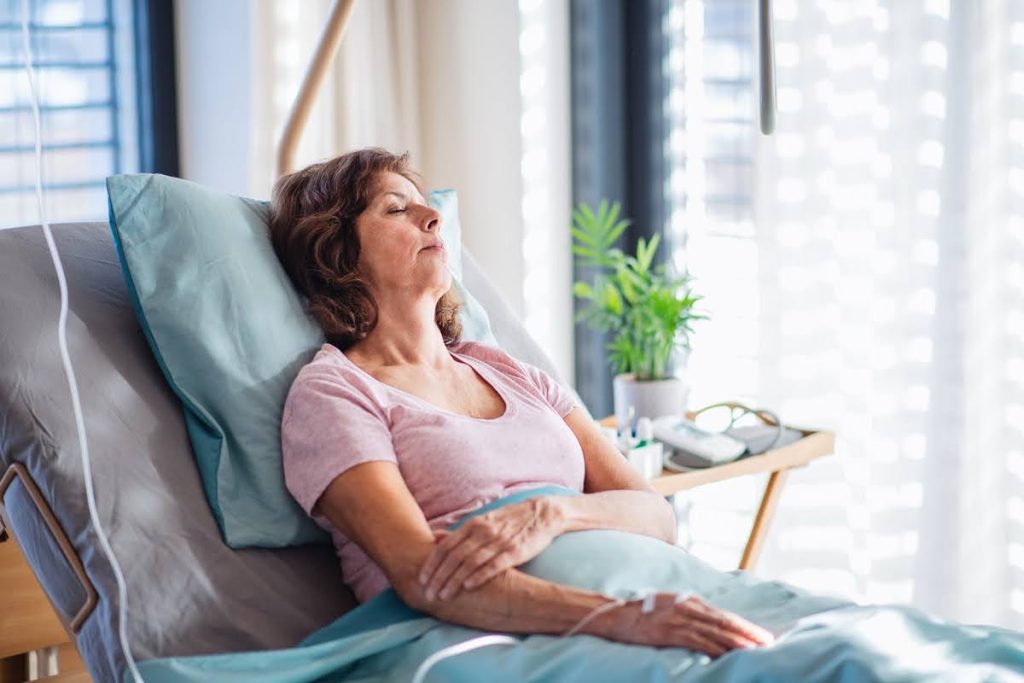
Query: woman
[{"x": 397, "y": 428}]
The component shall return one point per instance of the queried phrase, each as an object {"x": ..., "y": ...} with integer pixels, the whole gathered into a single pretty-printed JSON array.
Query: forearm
[
  {"x": 640, "y": 512},
  {"x": 513, "y": 602}
]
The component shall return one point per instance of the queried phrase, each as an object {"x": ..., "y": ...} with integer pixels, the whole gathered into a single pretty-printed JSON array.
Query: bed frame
[{"x": 36, "y": 643}]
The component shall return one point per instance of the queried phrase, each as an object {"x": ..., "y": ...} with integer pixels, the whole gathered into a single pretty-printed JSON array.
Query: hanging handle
[
  {"x": 19, "y": 472},
  {"x": 766, "y": 49}
]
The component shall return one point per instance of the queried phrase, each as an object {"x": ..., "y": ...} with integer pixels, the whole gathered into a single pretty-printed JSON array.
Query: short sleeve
[
  {"x": 327, "y": 428},
  {"x": 558, "y": 396}
]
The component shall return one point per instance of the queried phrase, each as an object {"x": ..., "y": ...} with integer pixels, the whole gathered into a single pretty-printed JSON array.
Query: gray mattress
[{"x": 188, "y": 593}]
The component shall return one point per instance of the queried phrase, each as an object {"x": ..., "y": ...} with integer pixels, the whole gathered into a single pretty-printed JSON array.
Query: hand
[
  {"x": 489, "y": 544},
  {"x": 692, "y": 623}
]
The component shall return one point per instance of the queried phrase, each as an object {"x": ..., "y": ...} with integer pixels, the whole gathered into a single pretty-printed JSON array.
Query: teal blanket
[{"x": 818, "y": 638}]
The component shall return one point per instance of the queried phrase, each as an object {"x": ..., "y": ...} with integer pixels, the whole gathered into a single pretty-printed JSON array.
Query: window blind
[{"x": 80, "y": 51}]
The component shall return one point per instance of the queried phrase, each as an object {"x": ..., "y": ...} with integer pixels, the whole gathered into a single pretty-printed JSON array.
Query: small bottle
[
  {"x": 627, "y": 428},
  {"x": 644, "y": 432}
]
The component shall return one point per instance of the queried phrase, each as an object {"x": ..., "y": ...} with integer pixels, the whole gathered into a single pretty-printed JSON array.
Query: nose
[{"x": 431, "y": 219}]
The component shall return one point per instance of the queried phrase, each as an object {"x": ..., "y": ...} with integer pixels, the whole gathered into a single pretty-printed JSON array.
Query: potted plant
[{"x": 648, "y": 311}]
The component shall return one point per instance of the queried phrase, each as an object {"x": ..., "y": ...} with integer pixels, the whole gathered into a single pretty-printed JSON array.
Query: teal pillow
[
  {"x": 230, "y": 333},
  {"x": 475, "y": 324}
]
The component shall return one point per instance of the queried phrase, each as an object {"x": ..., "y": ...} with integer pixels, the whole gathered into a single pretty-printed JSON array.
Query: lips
[{"x": 436, "y": 245}]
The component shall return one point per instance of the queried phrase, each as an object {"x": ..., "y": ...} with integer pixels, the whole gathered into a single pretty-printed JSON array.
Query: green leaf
[
  {"x": 584, "y": 237},
  {"x": 613, "y": 215},
  {"x": 583, "y": 291},
  {"x": 612, "y": 299},
  {"x": 583, "y": 251},
  {"x": 616, "y": 231},
  {"x": 647, "y": 256},
  {"x": 587, "y": 213}
]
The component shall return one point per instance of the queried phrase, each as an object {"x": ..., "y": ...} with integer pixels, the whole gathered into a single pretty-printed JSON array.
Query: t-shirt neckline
[{"x": 482, "y": 369}]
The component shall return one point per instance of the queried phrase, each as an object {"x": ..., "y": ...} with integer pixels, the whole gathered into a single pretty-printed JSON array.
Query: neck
[{"x": 406, "y": 334}]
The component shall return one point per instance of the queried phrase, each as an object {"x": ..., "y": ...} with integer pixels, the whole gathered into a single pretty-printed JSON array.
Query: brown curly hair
[{"x": 313, "y": 229}]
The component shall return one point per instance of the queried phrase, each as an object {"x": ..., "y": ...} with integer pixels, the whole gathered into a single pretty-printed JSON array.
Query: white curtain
[
  {"x": 890, "y": 268},
  {"x": 370, "y": 97}
]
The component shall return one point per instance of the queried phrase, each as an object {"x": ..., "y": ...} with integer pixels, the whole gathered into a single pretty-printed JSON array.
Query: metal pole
[
  {"x": 326, "y": 49},
  {"x": 766, "y": 50}
]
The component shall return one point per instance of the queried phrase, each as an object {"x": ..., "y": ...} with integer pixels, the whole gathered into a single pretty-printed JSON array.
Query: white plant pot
[{"x": 651, "y": 398}]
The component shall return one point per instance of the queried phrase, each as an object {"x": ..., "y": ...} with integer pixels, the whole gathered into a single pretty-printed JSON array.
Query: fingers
[
  {"x": 457, "y": 555},
  {"x": 444, "y": 542},
  {"x": 726, "y": 639},
  {"x": 702, "y": 643},
  {"x": 470, "y": 565},
  {"x": 488, "y": 570},
  {"x": 728, "y": 623},
  {"x": 452, "y": 558}
]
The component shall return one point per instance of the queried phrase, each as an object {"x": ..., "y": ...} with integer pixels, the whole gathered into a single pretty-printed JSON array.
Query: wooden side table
[{"x": 778, "y": 462}]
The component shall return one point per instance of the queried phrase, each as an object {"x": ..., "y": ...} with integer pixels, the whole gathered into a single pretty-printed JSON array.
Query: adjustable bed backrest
[{"x": 188, "y": 592}]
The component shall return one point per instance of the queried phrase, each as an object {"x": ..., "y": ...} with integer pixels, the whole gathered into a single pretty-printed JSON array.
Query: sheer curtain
[
  {"x": 370, "y": 97},
  {"x": 476, "y": 92},
  {"x": 889, "y": 261}
]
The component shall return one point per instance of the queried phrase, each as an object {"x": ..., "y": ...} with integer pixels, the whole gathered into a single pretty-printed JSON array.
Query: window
[
  {"x": 82, "y": 51},
  {"x": 710, "y": 153}
]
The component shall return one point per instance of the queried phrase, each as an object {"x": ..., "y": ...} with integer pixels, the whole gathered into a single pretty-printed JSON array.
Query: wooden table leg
[{"x": 769, "y": 501}]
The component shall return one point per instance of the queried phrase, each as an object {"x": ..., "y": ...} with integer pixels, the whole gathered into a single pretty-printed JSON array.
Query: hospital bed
[
  {"x": 190, "y": 595},
  {"x": 189, "y": 592}
]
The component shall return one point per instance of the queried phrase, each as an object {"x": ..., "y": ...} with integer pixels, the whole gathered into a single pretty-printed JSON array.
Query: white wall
[
  {"x": 214, "y": 92},
  {"x": 470, "y": 124}
]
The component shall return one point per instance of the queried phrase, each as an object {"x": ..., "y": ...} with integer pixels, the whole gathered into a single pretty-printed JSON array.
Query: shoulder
[
  {"x": 327, "y": 365},
  {"x": 330, "y": 376}
]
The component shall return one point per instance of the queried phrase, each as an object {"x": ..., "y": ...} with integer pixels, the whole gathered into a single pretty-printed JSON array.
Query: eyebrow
[{"x": 400, "y": 195}]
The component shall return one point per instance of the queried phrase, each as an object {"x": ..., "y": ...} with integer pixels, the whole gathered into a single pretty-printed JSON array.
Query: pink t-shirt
[{"x": 338, "y": 416}]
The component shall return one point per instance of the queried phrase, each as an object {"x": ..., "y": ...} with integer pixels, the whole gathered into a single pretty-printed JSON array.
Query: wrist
[
  {"x": 615, "y": 623},
  {"x": 560, "y": 513}
]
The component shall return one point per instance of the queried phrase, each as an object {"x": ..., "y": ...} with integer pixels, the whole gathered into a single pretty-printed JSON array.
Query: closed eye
[{"x": 397, "y": 210}]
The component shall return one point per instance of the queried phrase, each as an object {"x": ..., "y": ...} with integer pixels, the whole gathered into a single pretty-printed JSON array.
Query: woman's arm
[
  {"x": 618, "y": 497},
  {"x": 371, "y": 505}
]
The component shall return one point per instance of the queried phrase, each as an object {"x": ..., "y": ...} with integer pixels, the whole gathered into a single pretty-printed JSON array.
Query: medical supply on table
[
  {"x": 647, "y": 459},
  {"x": 768, "y": 433},
  {"x": 696, "y": 445},
  {"x": 708, "y": 442},
  {"x": 627, "y": 429},
  {"x": 644, "y": 432},
  {"x": 639, "y": 447}
]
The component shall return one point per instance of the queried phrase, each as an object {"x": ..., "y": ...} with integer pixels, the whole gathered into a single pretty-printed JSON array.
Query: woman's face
[{"x": 400, "y": 248}]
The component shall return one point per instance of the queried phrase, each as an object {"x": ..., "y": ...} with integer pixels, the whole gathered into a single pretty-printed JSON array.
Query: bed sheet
[{"x": 818, "y": 637}]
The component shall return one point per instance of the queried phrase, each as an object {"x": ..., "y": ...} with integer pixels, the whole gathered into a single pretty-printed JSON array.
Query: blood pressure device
[{"x": 693, "y": 447}]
